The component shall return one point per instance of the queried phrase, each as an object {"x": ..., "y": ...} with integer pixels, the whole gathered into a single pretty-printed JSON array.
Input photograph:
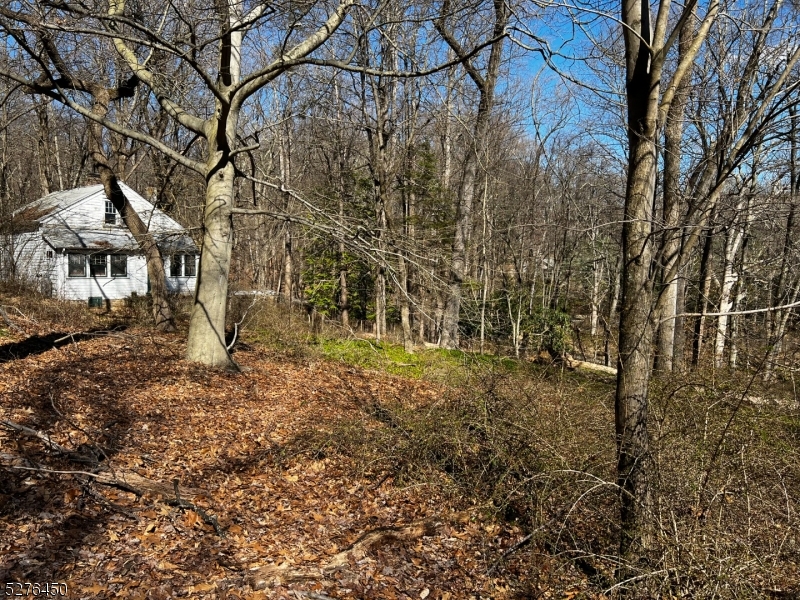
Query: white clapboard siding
[{"x": 31, "y": 260}]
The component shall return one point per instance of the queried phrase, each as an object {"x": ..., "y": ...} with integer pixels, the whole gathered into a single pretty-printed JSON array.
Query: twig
[
  {"x": 106, "y": 502},
  {"x": 94, "y": 446},
  {"x": 259, "y": 577},
  {"x": 38, "y": 434},
  {"x": 510, "y": 551},
  {"x": 636, "y": 578},
  {"x": 207, "y": 519},
  {"x": 98, "y": 476},
  {"x": 8, "y": 321},
  {"x": 311, "y": 595},
  {"x": 20, "y": 313},
  {"x": 104, "y": 333},
  {"x": 239, "y": 322}
]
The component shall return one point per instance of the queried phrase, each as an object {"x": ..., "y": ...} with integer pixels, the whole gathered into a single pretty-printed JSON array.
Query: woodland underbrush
[
  {"x": 25, "y": 302},
  {"x": 534, "y": 445}
]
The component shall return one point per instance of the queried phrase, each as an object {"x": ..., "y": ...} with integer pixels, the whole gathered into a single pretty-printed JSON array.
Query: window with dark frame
[
  {"x": 77, "y": 265},
  {"x": 189, "y": 265},
  {"x": 176, "y": 265},
  {"x": 111, "y": 213},
  {"x": 98, "y": 265},
  {"x": 119, "y": 265}
]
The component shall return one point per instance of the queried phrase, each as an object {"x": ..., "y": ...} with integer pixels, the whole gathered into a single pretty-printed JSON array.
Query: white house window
[
  {"x": 111, "y": 213},
  {"x": 97, "y": 265},
  {"x": 189, "y": 265},
  {"x": 176, "y": 265},
  {"x": 77, "y": 265},
  {"x": 49, "y": 254},
  {"x": 119, "y": 265},
  {"x": 182, "y": 265}
]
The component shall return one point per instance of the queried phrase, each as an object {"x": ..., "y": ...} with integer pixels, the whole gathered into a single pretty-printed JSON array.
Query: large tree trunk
[
  {"x": 285, "y": 166},
  {"x": 635, "y": 326},
  {"x": 405, "y": 311},
  {"x": 776, "y": 326},
  {"x": 671, "y": 239},
  {"x": 344, "y": 306},
  {"x": 733, "y": 239},
  {"x": 679, "y": 337},
  {"x": 344, "y": 190},
  {"x": 288, "y": 269},
  {"x": 43, "y": 143},
  {"x": 635, "y": 345},
  {"x": 703, "y": 294},
  {"x": 206, "y": 343},
  {"x": 597, "y": 275}
]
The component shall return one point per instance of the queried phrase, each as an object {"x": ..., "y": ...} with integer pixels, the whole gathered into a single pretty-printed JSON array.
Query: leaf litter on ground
[{"x": 251, "y": 449}]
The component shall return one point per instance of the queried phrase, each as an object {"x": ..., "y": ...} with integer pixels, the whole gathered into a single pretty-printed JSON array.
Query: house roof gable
[
  {"x": 43, "y": 210},
  {"x": 61, "y": 232}
]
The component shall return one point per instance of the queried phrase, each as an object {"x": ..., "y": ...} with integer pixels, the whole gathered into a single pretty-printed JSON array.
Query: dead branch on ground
[
  {"x": 261, "y": 577},
  {"x": 9, "y": 322},
  {"x": 50, "y": 444}
]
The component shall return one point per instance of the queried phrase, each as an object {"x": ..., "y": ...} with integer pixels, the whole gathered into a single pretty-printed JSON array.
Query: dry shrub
[
  {"x": 75, "y": 315},
  {"x": 33, "y": 306},
  {"x": 269, "y": 320},
  {"x": 537, "y": 447},
  {"x": 138, "y": 309},
  {"x": 729, "y": 478}
]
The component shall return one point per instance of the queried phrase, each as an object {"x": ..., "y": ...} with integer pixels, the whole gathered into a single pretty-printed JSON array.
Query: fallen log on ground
[
  {"x": 260, "y": 577},
  {"x": 573, "y": 363}
]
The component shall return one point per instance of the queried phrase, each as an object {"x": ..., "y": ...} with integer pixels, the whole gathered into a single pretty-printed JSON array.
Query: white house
[{"x": 74, "y": 245}]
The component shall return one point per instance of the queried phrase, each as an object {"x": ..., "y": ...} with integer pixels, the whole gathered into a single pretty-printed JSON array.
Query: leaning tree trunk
[{"x": 162, "y": 314}]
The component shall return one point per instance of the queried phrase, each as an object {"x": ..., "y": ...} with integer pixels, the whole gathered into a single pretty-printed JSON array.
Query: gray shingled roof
[
  {"x": 56, "y": 201},
  {"x": 38, "y": 211},
  {"x": 116, "y": 240}
]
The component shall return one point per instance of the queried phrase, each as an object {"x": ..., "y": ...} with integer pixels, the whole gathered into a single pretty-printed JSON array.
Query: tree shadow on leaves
[
  {"x": 56, "y": 519},
  {"x": 38, "y": 344}
]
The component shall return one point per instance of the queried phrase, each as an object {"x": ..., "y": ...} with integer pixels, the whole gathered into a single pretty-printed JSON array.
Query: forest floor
[
  {"x": 261, "y": 483},
  {"x": 336, "y": 467}
]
